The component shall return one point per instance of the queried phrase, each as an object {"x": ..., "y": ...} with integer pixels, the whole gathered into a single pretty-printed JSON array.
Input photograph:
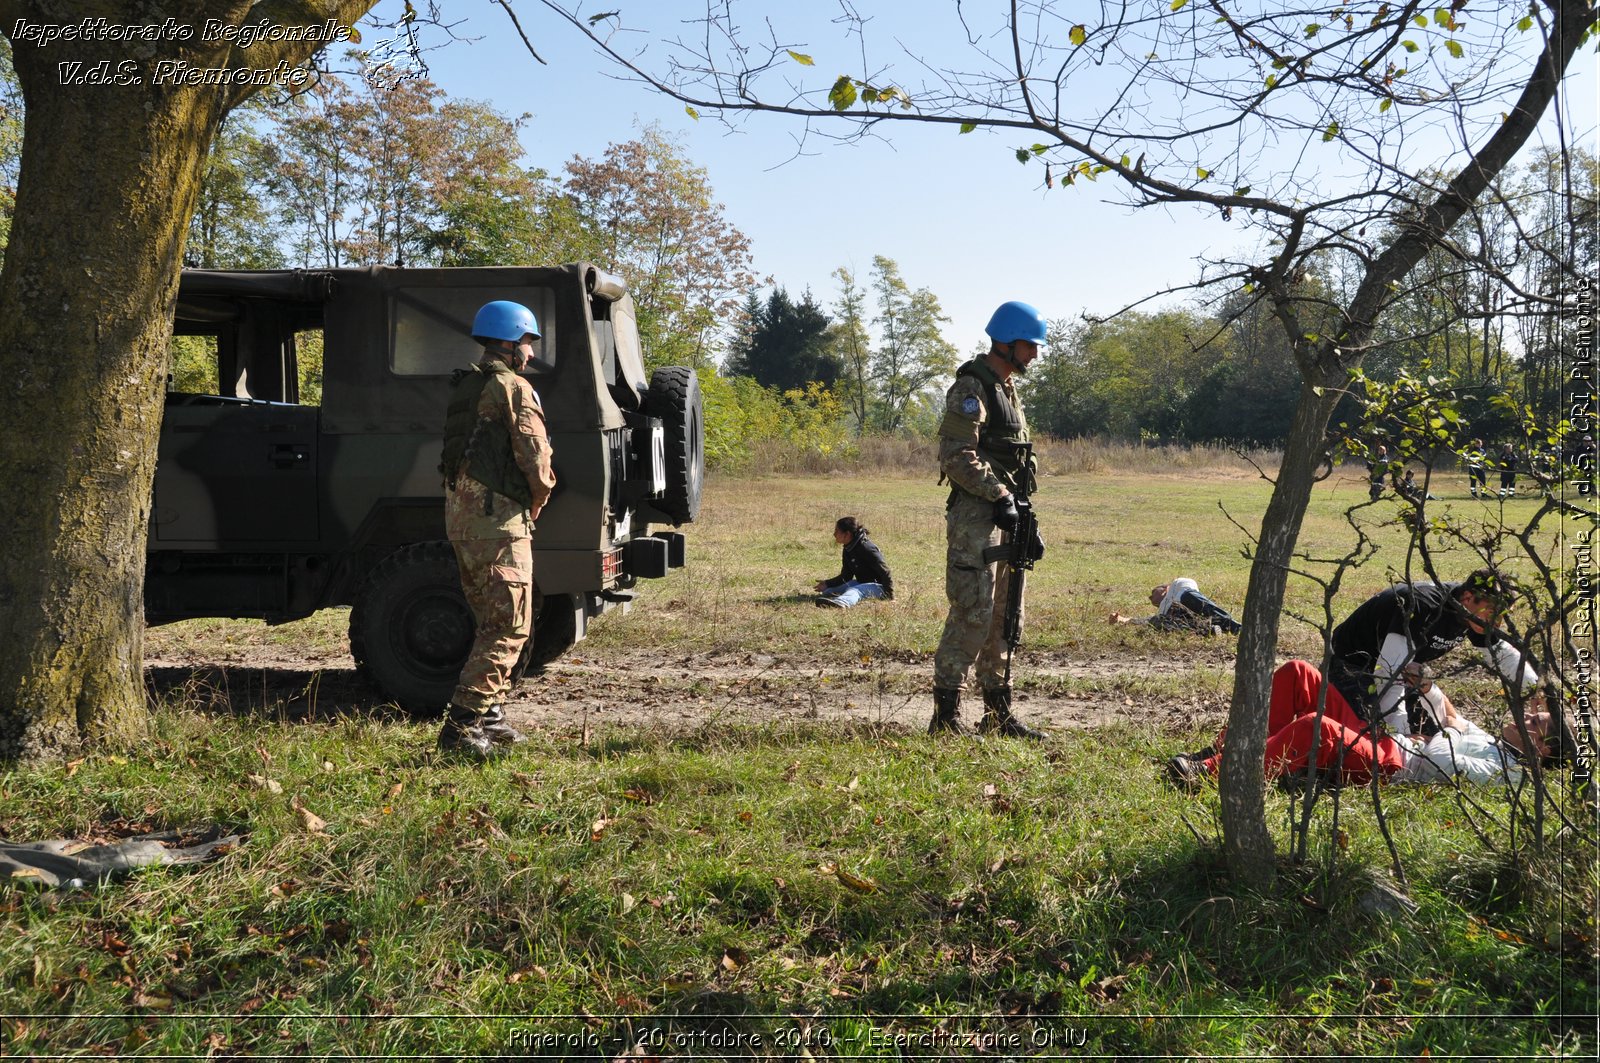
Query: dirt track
[{"x": 690, "y": 691}]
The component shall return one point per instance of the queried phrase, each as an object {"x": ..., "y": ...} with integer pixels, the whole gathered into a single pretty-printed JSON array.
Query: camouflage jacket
[{"x": 473, "y": 511}]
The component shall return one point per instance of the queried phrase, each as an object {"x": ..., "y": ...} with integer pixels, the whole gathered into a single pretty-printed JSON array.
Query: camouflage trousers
[
  {"x": 497, "y": 580},
  {"x": 974, "y": 630}
]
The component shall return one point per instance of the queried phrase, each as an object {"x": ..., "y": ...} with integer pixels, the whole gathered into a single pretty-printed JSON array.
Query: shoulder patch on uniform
[{"x": 969, "y": 405}]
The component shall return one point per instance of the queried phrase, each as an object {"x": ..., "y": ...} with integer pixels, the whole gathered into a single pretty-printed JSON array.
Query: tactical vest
[
  {"x": 480, "y": 446},
  {"x": 1003, "y": 437}
]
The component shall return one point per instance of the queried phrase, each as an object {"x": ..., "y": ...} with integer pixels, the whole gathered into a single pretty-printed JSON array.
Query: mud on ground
[{"x": 1161, "y": 691}]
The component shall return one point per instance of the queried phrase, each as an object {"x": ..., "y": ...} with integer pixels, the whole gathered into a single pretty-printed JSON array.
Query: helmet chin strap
[
  {"x": 511, "y": 354},
  {"x": 1010, "y": 358}
]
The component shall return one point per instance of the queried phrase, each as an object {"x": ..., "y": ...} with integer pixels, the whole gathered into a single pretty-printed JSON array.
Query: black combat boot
[
  {"x": 493, "y": 723},
  {"x": 463, "y": 733},
  {"x": 946, "y": 706},
  {"x": 997, "y": 718}
]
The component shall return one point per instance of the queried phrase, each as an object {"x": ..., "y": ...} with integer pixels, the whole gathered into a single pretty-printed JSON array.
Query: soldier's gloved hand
[{"x": 1005, "y": 514}]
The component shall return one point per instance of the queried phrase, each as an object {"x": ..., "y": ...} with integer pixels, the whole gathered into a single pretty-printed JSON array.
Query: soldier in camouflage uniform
[
  {"x": 980, "y": 453},
  {"x": 497, "y": 479}
]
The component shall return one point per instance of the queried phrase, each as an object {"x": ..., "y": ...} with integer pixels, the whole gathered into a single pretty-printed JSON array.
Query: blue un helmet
[
  {"x": 504, "y": 320},
  {"x": 1016, "y": 321}
]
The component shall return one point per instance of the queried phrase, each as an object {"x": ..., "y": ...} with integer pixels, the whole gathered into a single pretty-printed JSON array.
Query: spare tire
[
  {"x": 675, "y": 398},
  {"x": 411, "y": 628}
]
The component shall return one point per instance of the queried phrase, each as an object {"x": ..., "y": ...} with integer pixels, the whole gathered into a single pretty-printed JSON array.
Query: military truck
[{"x": 272, "y": 508}]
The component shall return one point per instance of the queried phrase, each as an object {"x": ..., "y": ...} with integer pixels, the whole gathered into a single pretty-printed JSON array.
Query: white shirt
[
  {"x": 1463, "y": 750},
  {"x": 1175, "y": 591}
]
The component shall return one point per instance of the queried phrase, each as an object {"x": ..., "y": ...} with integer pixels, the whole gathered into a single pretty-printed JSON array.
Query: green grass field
[{"x": 793, "y": 889}]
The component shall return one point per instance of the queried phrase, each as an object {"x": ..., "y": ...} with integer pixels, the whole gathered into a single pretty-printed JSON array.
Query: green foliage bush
[{"x": 745, "y": 421}]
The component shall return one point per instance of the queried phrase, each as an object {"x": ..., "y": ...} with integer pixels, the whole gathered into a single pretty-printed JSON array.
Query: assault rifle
[{"x": 1019, "y": 553}]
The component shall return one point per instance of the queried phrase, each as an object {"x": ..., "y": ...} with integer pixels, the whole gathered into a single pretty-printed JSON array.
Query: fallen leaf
[
  {"x": 327, "y": 765},
  {"x": 73, "y": 766},
  {"x": 746, "y": 817},
  {"x": 599, "y": 828},
  {"x": 396, "y": 790},
  {"x": 309, "y": 819},
  {"x": 158, "y": 1001},
  {"x": 1107, "y": 989},
  {"x": 734, "y": 958},
  {"x": 629, "y": 903},
  {"x": 261, "y": 782},
  {"x": 855, "y": 882}
]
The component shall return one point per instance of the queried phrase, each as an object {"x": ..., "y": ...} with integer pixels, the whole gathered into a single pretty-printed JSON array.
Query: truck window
[
  {"x": 308, "y": 365},
  {"x": 240, "y": 350},
  {"x": 431, "y": 326},
  {"x": 192, "y": 365}
]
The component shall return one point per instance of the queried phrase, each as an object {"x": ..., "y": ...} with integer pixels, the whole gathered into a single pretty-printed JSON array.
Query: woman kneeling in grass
[{"x": 864, "y": 573}]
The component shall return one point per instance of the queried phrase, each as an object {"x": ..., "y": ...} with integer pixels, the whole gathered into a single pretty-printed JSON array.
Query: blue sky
[{"x": 958, "y": 213}]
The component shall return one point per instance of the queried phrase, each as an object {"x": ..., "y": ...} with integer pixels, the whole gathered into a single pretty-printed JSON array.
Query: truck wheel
[
  {"x": 411, "y": 629},
  {"x": 675, "y": 398}
]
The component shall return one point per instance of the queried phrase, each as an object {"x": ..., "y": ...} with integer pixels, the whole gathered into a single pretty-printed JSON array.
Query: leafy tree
[
  {"x": 372, "y": 171},
  {"x": 651, "y": 216},
  {"x": 912, "y": 354},
  {"x": 109, "y": 179},
  {"x": 787, "y": 347},
  {"x": 852, "y": 346},
  {"x": 316, "y": 176},
  {"x": 232, "y": 226},
  {"x": 1301, "y": 122},
  {"x": 1555, "y": 201},
  {"x": 1130, "y": 376}
]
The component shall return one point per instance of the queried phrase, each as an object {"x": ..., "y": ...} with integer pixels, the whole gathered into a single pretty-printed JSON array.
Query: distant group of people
[
  {"x": 1579, "y": 454},
  {"x": 1379, "y": 713}
]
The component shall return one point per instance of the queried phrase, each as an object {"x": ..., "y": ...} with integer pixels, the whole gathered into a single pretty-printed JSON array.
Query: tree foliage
[
  {"x": 785, "y": 343},
  {"x": 233, "y": 225},
  {"x": 650, "y": 214},
  {"x": 912, "y": 354},
  {"x": 852, "y": 345}
]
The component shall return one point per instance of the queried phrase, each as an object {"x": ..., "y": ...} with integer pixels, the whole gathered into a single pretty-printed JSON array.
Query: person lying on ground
[
  {"x": 1351, "y": 751},
  {"x": 1181, "y": 607},
  {"x": 863, "y": 574}
]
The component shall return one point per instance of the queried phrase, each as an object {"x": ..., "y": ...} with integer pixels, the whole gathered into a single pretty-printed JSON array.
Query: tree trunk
[
  {"x": 1246, "y": 841},
  {"x": 85, "y": 315},
  {"x": 109, "y": 179}
]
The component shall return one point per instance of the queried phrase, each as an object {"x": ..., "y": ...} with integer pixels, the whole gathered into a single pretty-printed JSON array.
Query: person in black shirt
[
  {"x": 1507, "y": 461},
  {"x": 1377, "y": 469},
  {"x": 863, "y": 574},
  {"x": 1419, "y": 622}
]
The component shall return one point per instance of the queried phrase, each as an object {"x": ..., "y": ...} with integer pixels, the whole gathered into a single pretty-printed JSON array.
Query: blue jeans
[{"x": 850, "y": 592}]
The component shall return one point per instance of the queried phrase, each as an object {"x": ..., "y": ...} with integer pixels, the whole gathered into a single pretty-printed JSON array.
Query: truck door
[{"x": 235, "y": 473}]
